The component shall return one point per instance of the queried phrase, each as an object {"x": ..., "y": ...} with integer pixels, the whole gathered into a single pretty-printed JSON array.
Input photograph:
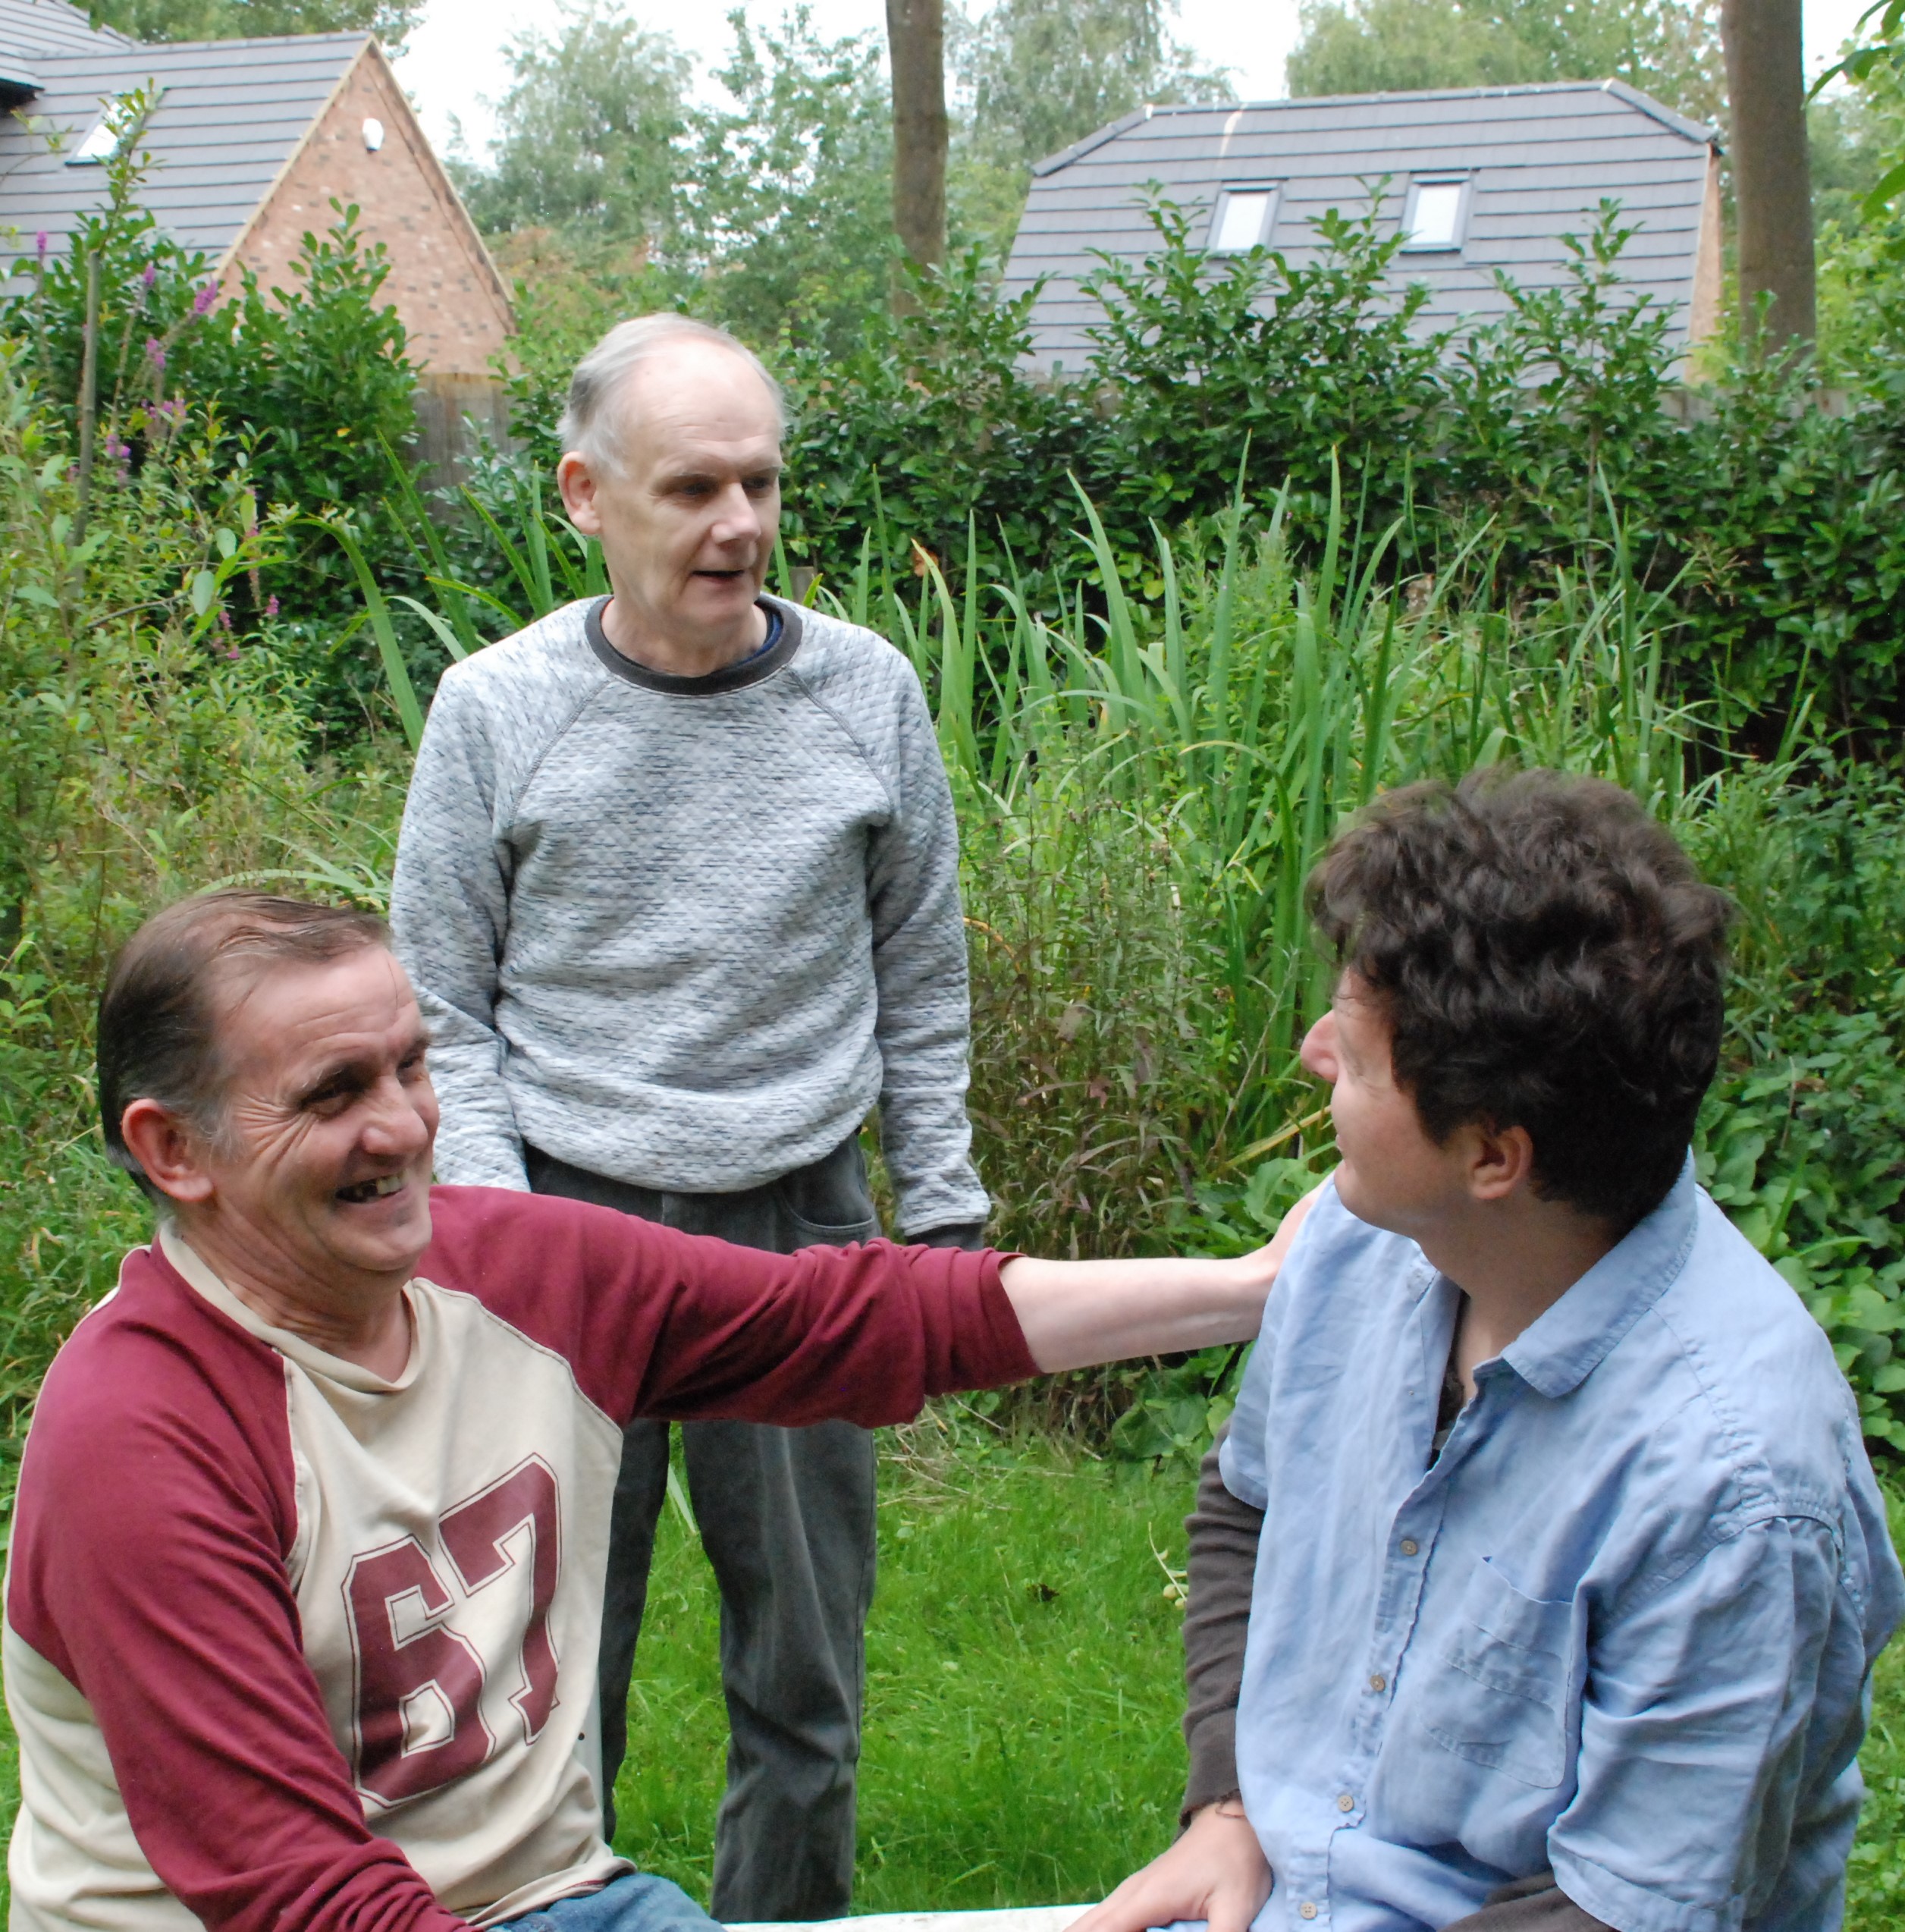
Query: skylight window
[
  {"x": 1242, "y": 220},
  {"x": 121, "y": 118},
  {"x": 101, "y": 144},
  {"x": 1437, "y": 213}
]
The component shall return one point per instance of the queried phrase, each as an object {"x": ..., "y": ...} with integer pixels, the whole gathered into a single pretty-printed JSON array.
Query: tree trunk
[
  {"x": 1772, "y": 182},
  {"x": 916, "y": 40}
]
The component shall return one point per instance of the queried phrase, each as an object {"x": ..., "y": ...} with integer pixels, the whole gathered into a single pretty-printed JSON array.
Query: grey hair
[{"x": 592, "y": 424}]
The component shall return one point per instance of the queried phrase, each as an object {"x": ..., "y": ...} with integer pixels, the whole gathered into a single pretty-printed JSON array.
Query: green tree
[
  {"x": 391, "y": 20},
  {"x": 1043, "y": 74},
  {"x": 1036, "y": 75},
  {"x": 791, "y": 193},
  {"x": 1668, "y": 48},
  {"x": 593, "y": 134}
]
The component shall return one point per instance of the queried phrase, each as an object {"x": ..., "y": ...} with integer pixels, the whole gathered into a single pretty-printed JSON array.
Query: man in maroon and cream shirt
[{"x": 303, "y": 1601}]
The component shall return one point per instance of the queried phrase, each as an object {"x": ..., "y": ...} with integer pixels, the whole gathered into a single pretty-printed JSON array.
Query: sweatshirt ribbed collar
[{"x": 735, "y": 676}]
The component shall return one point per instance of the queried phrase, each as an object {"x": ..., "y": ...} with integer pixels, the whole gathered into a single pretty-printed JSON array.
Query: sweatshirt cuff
[
  {"x": 969, "y": 1235},
  {"x": 1213, "y": 1746}
]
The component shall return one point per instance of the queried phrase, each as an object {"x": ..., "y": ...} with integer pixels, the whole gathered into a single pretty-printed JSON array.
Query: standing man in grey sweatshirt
[{"x": 678, "y": 886}]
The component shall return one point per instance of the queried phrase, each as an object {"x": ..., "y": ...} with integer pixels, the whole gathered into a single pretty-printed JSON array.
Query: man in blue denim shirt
[{"x": 1569, "y": 1568}]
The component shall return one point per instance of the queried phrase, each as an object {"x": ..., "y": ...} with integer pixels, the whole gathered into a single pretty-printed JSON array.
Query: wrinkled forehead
[{"x": 277, "y": 1017}]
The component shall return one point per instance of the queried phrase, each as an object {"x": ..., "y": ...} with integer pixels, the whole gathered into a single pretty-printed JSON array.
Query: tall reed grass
[{"x": 1145, "y": 788}]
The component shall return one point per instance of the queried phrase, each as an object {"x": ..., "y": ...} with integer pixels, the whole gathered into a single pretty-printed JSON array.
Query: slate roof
[
  {"x": 231, "y": 117},
  {"x": 1539, "y": 159}
]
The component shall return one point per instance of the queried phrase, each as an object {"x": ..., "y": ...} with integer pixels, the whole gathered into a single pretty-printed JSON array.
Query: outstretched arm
[{"x": 1076, "y": 1314}]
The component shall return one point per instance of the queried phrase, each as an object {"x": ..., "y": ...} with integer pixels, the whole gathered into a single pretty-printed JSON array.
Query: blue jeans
[{"x": 638, "y": 1902}]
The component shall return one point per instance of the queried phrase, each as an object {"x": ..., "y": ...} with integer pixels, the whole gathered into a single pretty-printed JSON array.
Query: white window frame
[
  {"x": 1465, "y": 183},
  {"x": 1273, "y": 191}
]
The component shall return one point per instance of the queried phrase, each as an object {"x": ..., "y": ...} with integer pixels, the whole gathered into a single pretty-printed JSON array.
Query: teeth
[{"x": 373, "y": 1190}]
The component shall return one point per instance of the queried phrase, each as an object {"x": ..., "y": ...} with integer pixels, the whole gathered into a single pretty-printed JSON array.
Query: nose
[
  {"x": 738, "y": 520},
  {"x": 399, "y": 1124},
  {"x": 1319, "y": 1053}
]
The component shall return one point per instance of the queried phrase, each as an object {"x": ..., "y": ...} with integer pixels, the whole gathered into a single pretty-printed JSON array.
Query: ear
[
  {"x": 577, "y": 483},
  {"x": 1497, "y": 1160},
  {"x": 168, "y": 1150}
]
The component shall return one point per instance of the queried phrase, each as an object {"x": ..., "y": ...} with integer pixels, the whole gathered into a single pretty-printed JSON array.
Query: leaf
[{"x": 204, "y": 588}]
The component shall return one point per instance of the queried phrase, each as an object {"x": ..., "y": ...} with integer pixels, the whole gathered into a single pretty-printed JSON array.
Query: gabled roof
[
  {"x": 230, "y": 119},
  {"x": 31, "y": 29},
  {"x": 1538, "y": 161}
]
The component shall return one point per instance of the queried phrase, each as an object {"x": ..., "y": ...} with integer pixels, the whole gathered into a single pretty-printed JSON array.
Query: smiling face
[
  {"x": 317, "y": 1188},
  {"x": 687, "y": 519},
  {"x": 1392, "y": 1174}
]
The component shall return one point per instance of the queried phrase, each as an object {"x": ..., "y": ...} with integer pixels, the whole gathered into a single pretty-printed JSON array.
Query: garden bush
[{"x": 301, "y": 390}]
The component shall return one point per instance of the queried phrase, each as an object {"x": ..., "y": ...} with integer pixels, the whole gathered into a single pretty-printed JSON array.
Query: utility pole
[
  {"x": 916, "y": 41},
  {"x": 1772, "y": 187}
]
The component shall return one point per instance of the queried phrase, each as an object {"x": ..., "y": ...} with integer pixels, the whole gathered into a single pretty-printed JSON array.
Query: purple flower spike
[
  {"x": 201, "y": 302},
  {"x": 156, "y": 354},
  {"x": 39, "y": 242},
  {"x": 270, "y": 606},
  {"x": 151, "y": 275}
]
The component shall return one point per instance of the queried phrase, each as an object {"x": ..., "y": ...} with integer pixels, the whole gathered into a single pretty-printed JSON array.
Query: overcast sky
[{"x": 456, "y": 57}]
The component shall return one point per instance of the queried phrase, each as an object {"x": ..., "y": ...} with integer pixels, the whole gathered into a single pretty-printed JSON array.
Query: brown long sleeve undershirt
[{"x": 1224, "y": 1535}]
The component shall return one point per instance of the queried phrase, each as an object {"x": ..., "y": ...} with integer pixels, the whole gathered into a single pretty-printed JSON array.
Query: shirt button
[
  {"x": 1408, "y": 1546},
  {"x": 1378, "y": 1682},
  {"x": 1307, "y": 1909},
  {"x": 1345, "y": 1803}
]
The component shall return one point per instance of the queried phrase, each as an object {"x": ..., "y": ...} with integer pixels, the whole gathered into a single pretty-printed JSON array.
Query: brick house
[{"x": 252, "y": 140}]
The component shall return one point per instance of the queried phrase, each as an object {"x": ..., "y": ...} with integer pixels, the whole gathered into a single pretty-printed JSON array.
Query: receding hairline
[
  {"x": 597, "y": 418},
  {"x": 618, "y": 402}
]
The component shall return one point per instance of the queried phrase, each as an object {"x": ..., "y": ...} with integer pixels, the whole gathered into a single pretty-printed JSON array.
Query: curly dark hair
[{"x": 1546, "y": 956}]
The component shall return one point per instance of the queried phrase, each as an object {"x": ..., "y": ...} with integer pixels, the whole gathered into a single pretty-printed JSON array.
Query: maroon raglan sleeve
[
  {"x": 156, "y": 1514},
  {"x": 659, "y": 1322}
]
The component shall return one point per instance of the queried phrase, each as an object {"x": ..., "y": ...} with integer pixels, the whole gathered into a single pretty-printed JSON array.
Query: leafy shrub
[
  {"x": 151, "y": 743},
  {"x": 301, "y": 389}
]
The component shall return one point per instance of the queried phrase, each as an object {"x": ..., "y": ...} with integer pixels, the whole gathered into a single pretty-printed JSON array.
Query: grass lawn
[
  {"x": 1023, "y": 1685},
  {"x": 1023, "y": 1695},
  {"x": 1023, "y": 1692}
]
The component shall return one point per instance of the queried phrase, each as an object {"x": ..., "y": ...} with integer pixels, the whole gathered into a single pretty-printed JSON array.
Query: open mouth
[{"x": 377, "y": 1188}]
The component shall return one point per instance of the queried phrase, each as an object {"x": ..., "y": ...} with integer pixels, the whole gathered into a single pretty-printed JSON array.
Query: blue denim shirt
[{"x": 1622, "y": 1625}]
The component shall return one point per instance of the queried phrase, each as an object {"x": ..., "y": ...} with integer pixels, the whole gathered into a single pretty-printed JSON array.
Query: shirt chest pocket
[{"x": 1503, "y": 1681}]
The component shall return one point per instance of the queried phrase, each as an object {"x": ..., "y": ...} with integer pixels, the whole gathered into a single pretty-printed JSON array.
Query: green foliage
[
  {"x": 1768, "y": 520},
  {"x": 1036, "y": 75},
  {"x": 621, "y": 195},
  {"x": 1668, "y": 48},
  {"x": 793, "y": 191},
  {"x": 1043, "y": 74},
  {"x": 302, "y": 386},
  {"x": 591, "y": 135},
  {"x": 1290, "y": 367},
  {"x": 150, "y": 743},
  {"x": 391, "y": 20}
]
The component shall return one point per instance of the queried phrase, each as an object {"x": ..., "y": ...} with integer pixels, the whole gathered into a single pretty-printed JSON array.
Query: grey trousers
[{"x": 786, "y": 1517}]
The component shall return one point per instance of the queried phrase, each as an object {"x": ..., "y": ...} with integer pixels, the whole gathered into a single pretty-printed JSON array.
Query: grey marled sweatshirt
[{"x": 684, "y": 932}]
